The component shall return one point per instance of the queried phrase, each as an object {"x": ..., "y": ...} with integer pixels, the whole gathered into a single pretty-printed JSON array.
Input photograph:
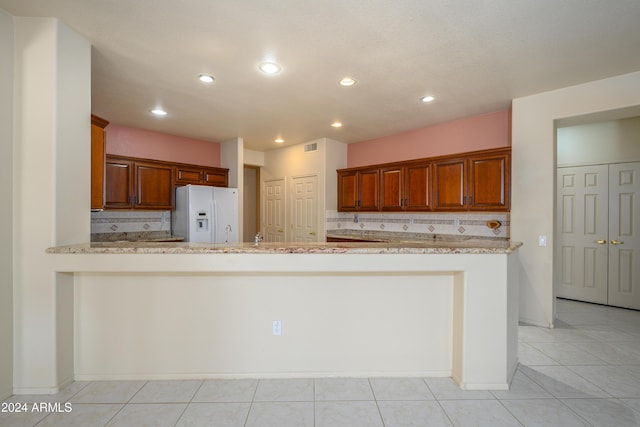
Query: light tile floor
[{"x": 586, "y": 372}]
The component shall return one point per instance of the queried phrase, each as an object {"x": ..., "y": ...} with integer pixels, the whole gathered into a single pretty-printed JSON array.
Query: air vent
[{"x": 311, "y": 147}]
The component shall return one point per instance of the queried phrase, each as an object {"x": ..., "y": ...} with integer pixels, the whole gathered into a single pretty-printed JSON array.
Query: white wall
[
  {"x": 232, "y": 158},
  {"x": 250, "y": 203},
  {"x": 132, "y": 326},
  {"x": 51, "y": 194},
  {"x": 335, "y": 158},
  {"x": 6, "y": 207},
  {"x": 611, "y": 141},
  {"x": 533, "y": 177},
  {"x": 253, "y": 158},
  {"x": 293, "y": 161}
]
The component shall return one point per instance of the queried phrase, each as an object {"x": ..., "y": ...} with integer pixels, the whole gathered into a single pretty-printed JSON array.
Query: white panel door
[
  {"x": 582, "y": 228},
  {"x": 304, "y": 203},
  {"x": 274, "y": 211},
  {"x": 624, "y": 235}
]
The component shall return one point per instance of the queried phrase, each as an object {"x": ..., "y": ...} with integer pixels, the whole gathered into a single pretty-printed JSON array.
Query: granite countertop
[{"x": 438, "y": 245}]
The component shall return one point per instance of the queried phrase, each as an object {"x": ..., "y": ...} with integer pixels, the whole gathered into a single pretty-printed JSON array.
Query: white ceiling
[{"x": 474, "y": 56}]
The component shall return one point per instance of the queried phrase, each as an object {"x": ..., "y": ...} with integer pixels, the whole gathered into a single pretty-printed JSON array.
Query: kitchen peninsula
[{"x": 183, "y": 310}]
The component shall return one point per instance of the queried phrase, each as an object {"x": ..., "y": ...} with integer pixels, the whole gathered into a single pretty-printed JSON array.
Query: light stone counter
[
  {"x": 142, "y": 311},
  {"x": 434, "y": 246}
]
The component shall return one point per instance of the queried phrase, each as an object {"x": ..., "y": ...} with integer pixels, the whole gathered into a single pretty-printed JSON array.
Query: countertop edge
[{"x": 465, "y": 247}]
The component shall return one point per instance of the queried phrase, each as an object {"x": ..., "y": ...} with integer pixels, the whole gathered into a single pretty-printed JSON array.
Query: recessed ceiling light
[
  {"x": 270, "y": 67},
  {"x": 206, "y": 78},
  {"x": 347, "y": 81},
  {"x": 336, "y": 124},
  {"x": 279, "y": 141},
  {"x": 427, "y": 98},
  {"x": 158, "y": 112}
]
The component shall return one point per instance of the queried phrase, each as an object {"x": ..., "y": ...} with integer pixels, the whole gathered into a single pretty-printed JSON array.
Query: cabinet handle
[
  {"x": 600, "y": 242},
  {"x": 616, "y": 242}
]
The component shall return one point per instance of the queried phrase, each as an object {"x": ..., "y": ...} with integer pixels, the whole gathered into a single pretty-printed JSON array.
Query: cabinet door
[
  {"x": 489, "y": 183},
  {"x": 186, "y": 175},
  {"x": 391, "y": 189},
  {"x": 368, "y": 188},
  {"x": 215, "y": 177},
  {"x": 118, "y": 186},
  {"x": 347, "y": 191},
  {"x": 417, "y": 188},
  {"x": 450, "y": 185},
  {"x": 154, "y": 186},
  {"x": 97, "y": 161}
]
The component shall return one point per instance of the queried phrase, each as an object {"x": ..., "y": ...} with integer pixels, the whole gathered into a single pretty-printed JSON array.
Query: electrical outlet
[
  {"x": 277, "y": 327},
  {"x": 542, "y": 240}
]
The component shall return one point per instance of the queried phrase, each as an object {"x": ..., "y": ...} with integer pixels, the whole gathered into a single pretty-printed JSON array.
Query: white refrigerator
[{"x": 206, "y": 214}]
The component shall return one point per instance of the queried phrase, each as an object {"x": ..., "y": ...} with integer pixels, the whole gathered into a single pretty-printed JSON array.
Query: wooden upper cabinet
[
  {"x": 368, "y": 183},
  {"x": 418, "y": 187},
  {"x": 199, "y": 175},
  {"x": 358, "y": 190},
  {"x": 216, "y": 177},
  {"x": 188, "y": 175},
  {"x": 450, "y": 185},
  {"x": 118, "y": 186},
  {"x": 475, "y": 181},
  {"x": 154, "y": 186},
  {"x": 392, "y": 189},
  {"x": 489, "y": 182},
  {"x": 405, "y": 187},
  {"x": 97, "y": 162},
  {"x": 133, "y": 184},
  {"x": 347, "y": 191}
]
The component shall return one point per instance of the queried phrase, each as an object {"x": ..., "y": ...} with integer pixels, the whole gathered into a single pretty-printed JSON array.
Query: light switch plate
[{"x": 542, "y": 240}]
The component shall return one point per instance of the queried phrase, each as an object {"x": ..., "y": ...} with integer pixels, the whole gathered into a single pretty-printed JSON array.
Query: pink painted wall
[
  {"x": 485, "y": 131},
  {"x": 146, "y": 144}
]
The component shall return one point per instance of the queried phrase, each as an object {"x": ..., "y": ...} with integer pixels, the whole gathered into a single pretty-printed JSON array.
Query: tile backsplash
[
  {"x": 451, "y": 223},
  {"x": 112, "y": 225}
]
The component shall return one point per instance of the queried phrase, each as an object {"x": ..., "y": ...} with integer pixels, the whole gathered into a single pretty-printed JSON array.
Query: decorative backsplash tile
[
  {"x": 108, "y": 226},
  {"x": 458, "y": 224}
]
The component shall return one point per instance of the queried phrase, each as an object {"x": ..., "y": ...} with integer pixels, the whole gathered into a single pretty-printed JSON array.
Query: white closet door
[
  {"x": 274, "y": 211},
  {"x": 624, "y": 235},
  {"x": 304, "y": 218},
  {"x": 582, "y": 225}
]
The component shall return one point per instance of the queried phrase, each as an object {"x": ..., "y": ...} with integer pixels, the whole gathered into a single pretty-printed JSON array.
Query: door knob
[
  {"x": 616, "y": 242},
  {"x": 313, "y": 233},
  {"x": 600, "y": 242}
]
